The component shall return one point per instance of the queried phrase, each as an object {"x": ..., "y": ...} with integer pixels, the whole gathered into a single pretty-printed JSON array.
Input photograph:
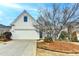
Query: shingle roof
[{"x": 4, "y": 26}]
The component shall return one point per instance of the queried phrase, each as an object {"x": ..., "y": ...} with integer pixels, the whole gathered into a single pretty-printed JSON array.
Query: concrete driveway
[{"x": 18, "y": 48}]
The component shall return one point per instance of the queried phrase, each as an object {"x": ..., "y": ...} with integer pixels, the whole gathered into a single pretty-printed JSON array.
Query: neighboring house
[
  {"x": 73, "y": 28},
  {"x": 76, "y": 28},
  {"x": 4, "y": 28}
]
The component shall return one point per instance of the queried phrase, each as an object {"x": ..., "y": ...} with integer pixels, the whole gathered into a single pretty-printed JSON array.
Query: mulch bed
[{"x": 59, "y": 46}]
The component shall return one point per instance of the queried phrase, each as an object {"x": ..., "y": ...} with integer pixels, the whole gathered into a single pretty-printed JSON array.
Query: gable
[{"x": 23, "y": 21}]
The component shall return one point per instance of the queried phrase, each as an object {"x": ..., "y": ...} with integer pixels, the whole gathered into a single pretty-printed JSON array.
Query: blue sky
[{"x": 9, "y": 12}]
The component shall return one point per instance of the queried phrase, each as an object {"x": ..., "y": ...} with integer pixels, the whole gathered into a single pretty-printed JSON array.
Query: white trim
[{"x": 20, "y": 15}]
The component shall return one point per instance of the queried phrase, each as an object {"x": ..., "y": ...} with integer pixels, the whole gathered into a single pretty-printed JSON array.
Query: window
[{"x": 25, "y": 18}]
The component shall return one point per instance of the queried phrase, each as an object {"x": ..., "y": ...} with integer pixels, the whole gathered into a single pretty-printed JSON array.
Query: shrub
[
  {"x": 7, "y": 35},
  {"x": 48, "y": 39},
  {"x": 63, "y": 35}
]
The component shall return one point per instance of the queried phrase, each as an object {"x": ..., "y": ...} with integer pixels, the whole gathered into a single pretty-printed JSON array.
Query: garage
[
  {"x": 22, "y": 27},
  {"x": 24, "y": 34}
]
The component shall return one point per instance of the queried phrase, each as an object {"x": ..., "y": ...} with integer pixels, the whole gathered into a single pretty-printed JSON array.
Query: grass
[
  {"x": 42, "y": 52},
  {"x": 0, "y": 41},
  {"x": 3, "y": 42}
]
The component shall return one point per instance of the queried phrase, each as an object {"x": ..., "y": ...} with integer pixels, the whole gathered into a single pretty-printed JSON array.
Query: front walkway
[{"x": 18, "y": 48}]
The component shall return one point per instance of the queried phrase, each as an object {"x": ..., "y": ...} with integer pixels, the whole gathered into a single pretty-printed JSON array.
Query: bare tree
[
  {"x": 53, "y": 21},
  {"x": 70, "y": 16}
]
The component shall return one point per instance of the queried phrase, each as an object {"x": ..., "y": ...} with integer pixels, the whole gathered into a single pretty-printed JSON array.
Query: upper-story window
[{"x": 25, "y": 18}]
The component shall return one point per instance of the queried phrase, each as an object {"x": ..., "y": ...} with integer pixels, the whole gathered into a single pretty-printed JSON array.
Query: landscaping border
[{"x": 59, "y": 51}]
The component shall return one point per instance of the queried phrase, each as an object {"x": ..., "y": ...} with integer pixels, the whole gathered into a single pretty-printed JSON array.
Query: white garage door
[{"x": 25, "y": 34}]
